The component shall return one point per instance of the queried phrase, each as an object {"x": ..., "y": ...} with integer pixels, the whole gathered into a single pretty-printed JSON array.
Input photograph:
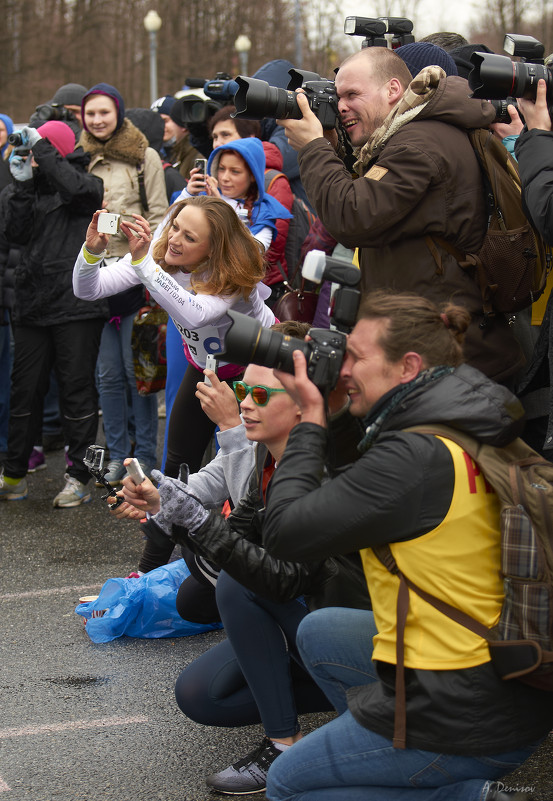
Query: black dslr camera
[
  {"x": 257, "y": 99},
  {"x": 496, "y": 77},
  {"x": 247, "y": 342}
]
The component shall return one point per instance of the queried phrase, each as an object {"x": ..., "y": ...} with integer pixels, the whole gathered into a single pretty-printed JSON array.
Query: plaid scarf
[{"x": 417, "y": 95}]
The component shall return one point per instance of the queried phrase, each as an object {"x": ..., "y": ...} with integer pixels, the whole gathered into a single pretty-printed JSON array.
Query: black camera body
[
  {"x": 495, "y": 77},
  {"x": 501, "y": 111},
  {"x": 17, "y": 139},
  {"x": 47, "y": 111},
  {"x": 247, "y": 342},
  {"x": 257, "y": 99}
]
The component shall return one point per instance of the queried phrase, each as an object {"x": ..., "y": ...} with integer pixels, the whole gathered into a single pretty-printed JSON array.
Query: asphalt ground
[{"x": 94, "y": 722}]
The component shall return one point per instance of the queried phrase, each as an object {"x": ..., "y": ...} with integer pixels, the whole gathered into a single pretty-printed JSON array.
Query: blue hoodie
[
  {"x": 8, "y": 122},
  {"x": 266, "y": 209}
]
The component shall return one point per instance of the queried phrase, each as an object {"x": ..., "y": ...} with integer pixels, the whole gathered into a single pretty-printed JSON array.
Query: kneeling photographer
[{"x": 420, "y": 494}]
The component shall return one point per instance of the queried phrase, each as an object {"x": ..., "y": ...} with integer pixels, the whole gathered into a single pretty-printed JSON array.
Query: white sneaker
[
  {"x": 73, "y": 494},
  {"x": 13, "y": 492}
]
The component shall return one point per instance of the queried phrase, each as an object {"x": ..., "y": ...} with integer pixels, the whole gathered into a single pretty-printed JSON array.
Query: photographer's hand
[
  {"x": 143, "y": 497},
  {"x": 303, "y": 391},
  {"x": 212, "y": 187},
  {"x": 95, "y": 242},
  {"x": 197, "y": 182},
  {"x": 139, "y": 235},
  {"x": 218, "y": 402},
  {"x": 21, "y": 167},
  {"x": 301, "y": 132},
  {"x": 536, "y": 114},
  {"x": 503, "y": 129},
  {"x": 124, "y": 511}
]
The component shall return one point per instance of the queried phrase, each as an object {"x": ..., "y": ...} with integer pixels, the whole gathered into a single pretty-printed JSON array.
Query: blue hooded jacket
[
  {"x": 8, "y": 122},
  {"x": 266, "y": 209}
]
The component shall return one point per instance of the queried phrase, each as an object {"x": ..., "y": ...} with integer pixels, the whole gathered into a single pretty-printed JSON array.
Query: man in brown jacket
[{"x": 419, "y": 183}]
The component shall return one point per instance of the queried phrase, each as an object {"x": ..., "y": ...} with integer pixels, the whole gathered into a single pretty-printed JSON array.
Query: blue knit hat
[
  {"x": 163, "y": 105},
  {"x": 109, "y": 91},
  {"x": 418, "y": 55},
  {"x": 8, "y": 122}
]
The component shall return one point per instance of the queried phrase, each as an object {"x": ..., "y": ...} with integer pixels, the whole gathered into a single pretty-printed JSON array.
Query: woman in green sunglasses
[{"x": 255, "y": 675}]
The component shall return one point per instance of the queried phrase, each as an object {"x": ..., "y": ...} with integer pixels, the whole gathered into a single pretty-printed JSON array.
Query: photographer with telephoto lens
[{"x": 419, "y": 493}]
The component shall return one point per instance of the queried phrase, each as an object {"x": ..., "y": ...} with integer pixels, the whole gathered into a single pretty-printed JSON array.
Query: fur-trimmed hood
[{"x": 128, "y": 144}]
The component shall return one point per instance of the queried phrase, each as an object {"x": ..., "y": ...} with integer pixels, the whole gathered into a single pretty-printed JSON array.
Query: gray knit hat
[{"x": 70, "y": 94}]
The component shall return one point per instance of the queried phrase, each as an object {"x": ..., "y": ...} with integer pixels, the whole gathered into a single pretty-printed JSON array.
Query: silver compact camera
[{"x": 108, "y": 223}]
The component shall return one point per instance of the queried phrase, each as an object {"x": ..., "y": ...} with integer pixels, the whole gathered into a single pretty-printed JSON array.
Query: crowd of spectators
[{"x": 283, "y": 530}]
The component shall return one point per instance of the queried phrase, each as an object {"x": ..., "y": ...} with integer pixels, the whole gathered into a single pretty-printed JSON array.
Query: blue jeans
[
  {"x": 116, "y": 384},
  {"x": 344, "y": 760}
]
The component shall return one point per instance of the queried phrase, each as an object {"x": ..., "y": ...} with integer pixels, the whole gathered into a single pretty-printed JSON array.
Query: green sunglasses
[{"x": 260, "y": 394}]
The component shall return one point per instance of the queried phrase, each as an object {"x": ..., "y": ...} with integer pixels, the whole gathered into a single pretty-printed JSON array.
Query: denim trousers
[
  {"x": 344, "y": 760},
  {"x": 117, "y": 386},
  {"x": 254, "y": 675}
]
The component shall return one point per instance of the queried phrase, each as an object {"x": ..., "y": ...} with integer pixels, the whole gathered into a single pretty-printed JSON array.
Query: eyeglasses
[{"x": 260, "y": 394}]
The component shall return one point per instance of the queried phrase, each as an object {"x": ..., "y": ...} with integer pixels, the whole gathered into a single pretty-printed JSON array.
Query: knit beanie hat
[
  {"x": 60, "y": 135},
  {"x": 163, "y": 105},
  {"x": 109, "y": 91},
  {"x": 8, "y": 122},
  {"x": 70, "y": 94},
  {"x": 418, "y": 55},
  {"x": 461, "y": 57}
]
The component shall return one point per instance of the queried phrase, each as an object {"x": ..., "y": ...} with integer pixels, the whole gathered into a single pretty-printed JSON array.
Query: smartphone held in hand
[{"x": 135, "y": 471}]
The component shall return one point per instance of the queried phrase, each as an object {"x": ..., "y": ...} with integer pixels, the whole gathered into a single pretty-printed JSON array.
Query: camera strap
[{"x": 142, "y": 187}]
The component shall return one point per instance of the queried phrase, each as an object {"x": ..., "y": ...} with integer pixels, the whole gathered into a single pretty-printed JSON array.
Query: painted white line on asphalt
[
  {"x": 72, "y": 725},
  {"x": 16, "y": 596}
]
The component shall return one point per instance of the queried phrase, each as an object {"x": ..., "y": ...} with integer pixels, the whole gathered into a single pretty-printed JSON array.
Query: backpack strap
[
  {"x": 467, "y": 261},
  {"x": 270, "y": 177},
  {"x": 511, "y": 658},
  {"x": 142, "y": 187}
]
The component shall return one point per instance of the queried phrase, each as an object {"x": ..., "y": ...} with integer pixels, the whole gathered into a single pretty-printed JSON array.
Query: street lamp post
[
  {"x": 152, "y": 23},
  {"x": 297, "y": 18},
  {"x": 242, "y": 46}
]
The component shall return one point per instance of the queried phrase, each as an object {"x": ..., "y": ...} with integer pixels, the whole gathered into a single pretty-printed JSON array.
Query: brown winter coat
[{"x": 422, "y": 181}]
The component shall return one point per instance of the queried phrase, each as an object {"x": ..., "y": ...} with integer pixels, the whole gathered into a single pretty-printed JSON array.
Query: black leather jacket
[{"x": 235, "y": 546}]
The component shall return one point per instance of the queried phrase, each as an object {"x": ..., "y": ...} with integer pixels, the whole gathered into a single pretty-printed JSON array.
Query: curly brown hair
[{"x": 236, "y": 263}]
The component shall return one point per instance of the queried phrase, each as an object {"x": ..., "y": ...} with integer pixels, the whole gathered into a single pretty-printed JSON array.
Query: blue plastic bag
[{"x": 141, "y": 607}]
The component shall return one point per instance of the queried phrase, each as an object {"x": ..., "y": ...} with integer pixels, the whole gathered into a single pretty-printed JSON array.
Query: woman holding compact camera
[
  {"x": 133, "y": 183},
  {"x": 204, "y": 263}
]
